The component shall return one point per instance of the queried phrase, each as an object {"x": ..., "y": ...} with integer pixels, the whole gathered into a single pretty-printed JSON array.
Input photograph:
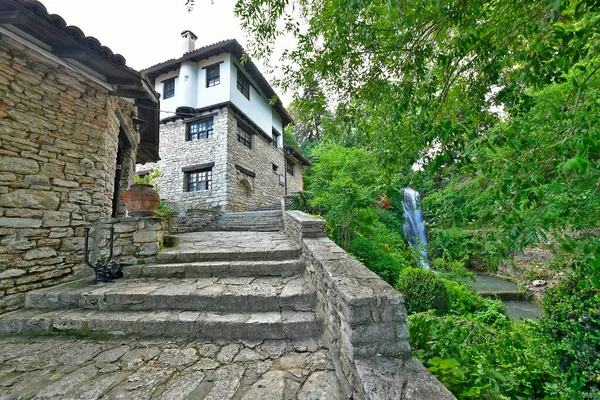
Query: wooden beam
[
  {"x": 130, "y": 93},
  {"x": 12, "y": 18},
  {"x": 123, "y": 81},
  {"x": 70, "y": 52}
]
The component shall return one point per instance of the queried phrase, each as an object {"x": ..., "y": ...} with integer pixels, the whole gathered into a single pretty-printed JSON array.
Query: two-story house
[{"x": 221, "y": 131}]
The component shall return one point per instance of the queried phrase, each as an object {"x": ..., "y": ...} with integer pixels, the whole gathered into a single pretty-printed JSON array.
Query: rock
[
  {"x": 21, "y": 198},
  {"x": 321, "y": 385},
  {"x": 209, "y": 350},
  {"x": 270, "y": 387},
  {"x": 19, "y": 165},
  {"x": 111, "y": 355},
  {"x": 20, "y": 222},
  {"x": 41, "y": 252},
  {"x": 181, "y": 387},
  {"x": 11, "y": 273},
  {"x": 539, "y": 283},
  {"x": 56, "y": 219},
  {"x": 60, "y": 388},
  {"x": 178, "y": 358},
  {"x": 248, "y": 355},
  {"x": 228, "y": 353}
]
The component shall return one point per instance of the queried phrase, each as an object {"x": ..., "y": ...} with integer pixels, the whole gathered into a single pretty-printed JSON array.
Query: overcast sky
[{"x": 147, "y": 32}]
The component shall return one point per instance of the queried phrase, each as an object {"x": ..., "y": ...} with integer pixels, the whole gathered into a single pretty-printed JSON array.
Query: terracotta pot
[{"x": 141, "y": 200}]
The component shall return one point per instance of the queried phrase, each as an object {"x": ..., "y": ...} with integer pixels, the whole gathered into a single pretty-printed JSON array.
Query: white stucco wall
[
  {"x": 172, "y": 103},
  {"x": 257, "y": 108},
  {"x": 215, "y": 94},
  {"x": 191, "y": 90}
]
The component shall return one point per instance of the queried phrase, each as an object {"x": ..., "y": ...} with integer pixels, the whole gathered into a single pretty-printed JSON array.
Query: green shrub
[
  {"x": 423, "y": 290},
  {"x": 378, "y": 258},
  {"x": 572, "y": 322}
]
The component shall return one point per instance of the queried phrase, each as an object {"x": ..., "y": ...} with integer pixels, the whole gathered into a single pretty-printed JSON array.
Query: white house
[{"x": 221, "y": 131}]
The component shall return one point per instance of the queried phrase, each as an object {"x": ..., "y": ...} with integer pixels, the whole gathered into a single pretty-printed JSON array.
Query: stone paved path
[{"x": 67, "y": 368}]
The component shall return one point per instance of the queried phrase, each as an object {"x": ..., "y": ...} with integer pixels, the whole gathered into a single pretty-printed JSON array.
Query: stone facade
[
  {"x": 242, "y": 177},
  {"x": 58, "y": 150}
]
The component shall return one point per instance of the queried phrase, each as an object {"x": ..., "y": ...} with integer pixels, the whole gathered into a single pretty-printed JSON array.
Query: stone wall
[
  {"x": 256, "y": 183},
  {"x": 364, "y": 320},
  {"x": 194, "y": 219},
  {"x": 263, "y": 160},
  {"x": 176, "y": 153},
  {"x": 58, "y": 145},
  {"x": 137, "y": 240},
  {"x": 294, "y": 183}
]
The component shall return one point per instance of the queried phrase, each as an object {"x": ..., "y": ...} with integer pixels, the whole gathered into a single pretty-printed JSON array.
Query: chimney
[{"x": 189, "y": 41}]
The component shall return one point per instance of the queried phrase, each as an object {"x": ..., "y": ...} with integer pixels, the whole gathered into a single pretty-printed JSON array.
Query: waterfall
[{"x": 414, "y": 227}]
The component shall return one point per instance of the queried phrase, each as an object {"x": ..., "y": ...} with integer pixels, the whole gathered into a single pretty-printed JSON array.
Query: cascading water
[{"x": 414, "y": 227}]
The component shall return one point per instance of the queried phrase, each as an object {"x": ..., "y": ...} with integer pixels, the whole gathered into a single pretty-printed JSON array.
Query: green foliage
[
  {"x": 289, "y": 138},
  {"x": 378, "y": 258},
  {"x": 483, "y": 355},
  {"x": 423, "y": 290},
  {"x": 572, "y": 321},
  {"x": 148, "y": 179}
]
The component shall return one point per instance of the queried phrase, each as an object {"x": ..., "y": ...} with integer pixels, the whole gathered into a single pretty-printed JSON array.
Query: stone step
[
  {"x": 241, "y": 227},
  {"x": 294, "y": 325},
  {"x": 281, "y": 268},
  {"x": 225, "y": 254},
  {"x": 221, "y": 295}
]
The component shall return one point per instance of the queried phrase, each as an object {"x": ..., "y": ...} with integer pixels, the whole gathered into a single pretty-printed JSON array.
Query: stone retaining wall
[
  {"x": 193, "y": 220},
  {"x": 364, "y": 320},
  {"x": 137, "y": 240},
  {"x": 58, "y": 149}
]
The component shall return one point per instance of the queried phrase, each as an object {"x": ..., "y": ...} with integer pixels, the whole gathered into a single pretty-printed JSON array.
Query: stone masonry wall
[
  {"x": 136, "y": 239},
  {"x": 294, "y": 183},
  {"x": 364, "y": 320},
  {"x": 264, "y": 189},
  {"x": 58, "y": 144},
  {"x": 176, "y": 153}
]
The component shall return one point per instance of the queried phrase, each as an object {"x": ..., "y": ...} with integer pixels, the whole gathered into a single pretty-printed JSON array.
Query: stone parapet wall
[
  {"x": 58, "y": 148},
  {"x": 137, "y": 240},
  {"x": 194, "y": 219},
  {"x": 364, "y": 320}
]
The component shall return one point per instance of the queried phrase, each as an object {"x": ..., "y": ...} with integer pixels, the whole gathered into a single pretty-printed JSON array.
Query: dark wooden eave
[
  {"x": 29, "y": 20},
  {"x": 294, "y": 153}
]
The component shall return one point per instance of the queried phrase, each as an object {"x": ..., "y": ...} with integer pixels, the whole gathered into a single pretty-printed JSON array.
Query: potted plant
[{"x": 141, "y": 198}]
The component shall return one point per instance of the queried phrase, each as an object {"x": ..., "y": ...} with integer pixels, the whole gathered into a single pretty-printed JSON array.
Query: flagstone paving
[{"x": 68, "y": 368}]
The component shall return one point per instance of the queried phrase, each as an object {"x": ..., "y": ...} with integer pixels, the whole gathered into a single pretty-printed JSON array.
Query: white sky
[{"x": 147, "y": 32}]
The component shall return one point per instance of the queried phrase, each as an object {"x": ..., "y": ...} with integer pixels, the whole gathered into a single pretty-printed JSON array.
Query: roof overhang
[
  {"x": 294, "y": 153},
  {"x": 29, "y": 20},
  {"x": 227, "y": 46}
]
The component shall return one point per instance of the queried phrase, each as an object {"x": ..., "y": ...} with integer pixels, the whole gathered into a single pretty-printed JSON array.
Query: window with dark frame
[
  {"x": 199, "y": 180},
  {"x": 275, "y": 138},
  {"x": 289, "y": 167},
  {"x": 168, "y": 88},
  {"x": 213, "y": 76},
  {"x": 244, "y": 137},
  {"x": 200, "y": 130},
  {"x": 243, "y": 85}
]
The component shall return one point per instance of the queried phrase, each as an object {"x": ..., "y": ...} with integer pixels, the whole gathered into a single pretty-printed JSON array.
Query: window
[
  {"x": 243, "y": 85},
  {"x": 244, "y": 137},
  {"x": 200, "y": 129},
  {"x": 213, "y": 76},
  {"x": 198, "y": 180},
  {"x": 289, "y": 167},
  {"x": 168, "y": 88},
  {"x": 275, "y": 137},
  {"x": 275, "y": 167}
]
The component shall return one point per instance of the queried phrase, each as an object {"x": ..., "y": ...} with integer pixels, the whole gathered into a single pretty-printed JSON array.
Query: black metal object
[{"x": 105, "y": 270}]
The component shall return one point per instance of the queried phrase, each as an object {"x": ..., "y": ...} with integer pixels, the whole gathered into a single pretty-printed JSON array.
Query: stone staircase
[
  {"x": 218, "y": 285},
  {"x": 258, "y": 221}
]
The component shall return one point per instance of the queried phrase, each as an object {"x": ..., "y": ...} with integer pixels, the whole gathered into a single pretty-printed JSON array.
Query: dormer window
[
  {"x": 213, "y": 75},
  {"x": 168, "y": 88},
  {"x": 243, "y": 85}
]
